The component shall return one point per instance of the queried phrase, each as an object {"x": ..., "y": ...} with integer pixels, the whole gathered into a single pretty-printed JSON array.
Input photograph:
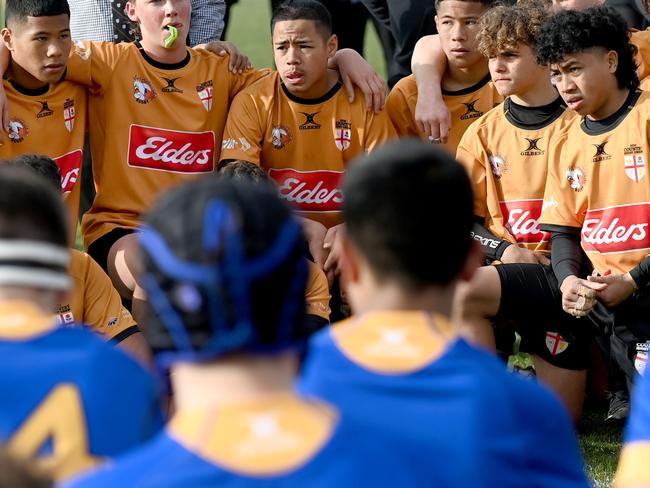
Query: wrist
[
  {"x": 627, "y": 277},
  {"x": 566, "y": 283}
]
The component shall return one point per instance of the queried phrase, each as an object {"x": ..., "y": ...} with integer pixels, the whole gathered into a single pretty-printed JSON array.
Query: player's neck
[
  {"x": 456, "y": 78},
  {"x": 611, "y": 104},
  {"x": 23, "y": 78},
  {"x": 157, "y": 52},
  {"x": 232, "y": 380},
  {"x": 374, "y": 295},
  {"x": 540, "y": 94}
]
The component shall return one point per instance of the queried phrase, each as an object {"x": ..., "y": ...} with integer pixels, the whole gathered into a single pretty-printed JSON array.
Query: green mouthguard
[{"x": 173, "y": 35}]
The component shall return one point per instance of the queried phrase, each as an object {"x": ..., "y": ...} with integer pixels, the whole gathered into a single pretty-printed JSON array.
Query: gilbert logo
[
  {"x": 617, "y": 229},
  {"x": 521, "y": 218},
  {"x": 69, "y": 165},
  {"x": 45, "y": 110},
  {"x": 310, "y": 191},
  {"x": 310, "y": 121},
  {"x": 533, "y": 148},
  {"x": 471, "y": 112},
  {"x": 601, "y": 154},
  {"x": 171, "y": 150},
  {"x": 171, "y": 85}
]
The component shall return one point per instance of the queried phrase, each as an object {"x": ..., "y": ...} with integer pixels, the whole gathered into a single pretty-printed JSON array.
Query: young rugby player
[
  {"x": 505, "y": 153},
  {"x": 598, "y": 190},
  {"x": 397, "y": 365},
  {"x": 299, "y": 125},
  {"x": 225, "y": 274},
  {"x": 466, "y": 87},
  {"x": 68, "y": 398}
]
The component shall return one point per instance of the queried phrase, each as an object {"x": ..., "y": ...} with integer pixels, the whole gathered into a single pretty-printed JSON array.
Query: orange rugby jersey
[
  {"x": 598, "y": 185},
  {"x": 465, "y": 107},
  {"x": 152, "y": 125},
  {"x": 93, "y": 301},
  {"x": 508, "y": 168},
  {"x": 304, "y": 145},
  {"x": 50, "y": 121},
  {"x": 641, "y": 39}
]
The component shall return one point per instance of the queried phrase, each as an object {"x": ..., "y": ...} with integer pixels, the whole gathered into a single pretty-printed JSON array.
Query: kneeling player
[
  {"x": 225, "y": 276},
  {"x": 400, "y": 353}
]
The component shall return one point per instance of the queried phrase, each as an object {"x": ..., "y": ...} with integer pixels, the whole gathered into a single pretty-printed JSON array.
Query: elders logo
[
  {"x": 310, "y": 191},
  {"x": 69, "y": 165},
  {"x": 171, "y": 150},
  {"x": 522, "y": 220},
  {"x": 617, "y": 229}
]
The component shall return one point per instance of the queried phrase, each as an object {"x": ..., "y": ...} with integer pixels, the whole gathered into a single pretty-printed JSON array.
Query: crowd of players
[{"x": 238, "y": 212}]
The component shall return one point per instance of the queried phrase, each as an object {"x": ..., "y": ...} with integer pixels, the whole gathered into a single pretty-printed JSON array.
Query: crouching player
[
  {"x": 225, "y": 276},
  {"x": 68, "y": 399},
  {"x": 400, "y": 353},
  {"x": 598, "y": 190}
]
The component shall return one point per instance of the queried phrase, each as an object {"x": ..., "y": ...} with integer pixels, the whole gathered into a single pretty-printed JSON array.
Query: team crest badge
[
  {"x": 17, "y": 130},
  {"x": 69, "y": 114},
  {"x": 498, "y": 165},
  {"x": 205, "y": 94},
  {"x": 280, "y": 136},
  {"x": 641, "y": 357},
  {"x": 576, "y": 178},
  {"x": 555, "y": 343},
  {"x": 143, "y": 91},
  {"x": 635, "y": 166},
  {"x": 64, "y": 315},
  {"x": 342, "y": 138}
]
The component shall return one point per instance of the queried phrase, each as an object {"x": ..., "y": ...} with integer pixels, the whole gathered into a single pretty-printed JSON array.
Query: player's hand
[
  {"x": 333, "y": 245},
  {"x": 356, "y": 71},
  {"x": 516, "y": 254},
  {"x": 432, "y": 116},
  {"x": 315, "y": 234},
  {"x": 239, "y": 62},
  {"x": 579, "y": 296},
  {"x": 619, "y": 288},
  {"x": 4, "y": 110}
]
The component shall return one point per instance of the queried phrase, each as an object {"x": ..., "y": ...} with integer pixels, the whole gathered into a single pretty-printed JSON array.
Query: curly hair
[
  {"x": 506, "y": 26},
  {"x": 571, "y": 32}
]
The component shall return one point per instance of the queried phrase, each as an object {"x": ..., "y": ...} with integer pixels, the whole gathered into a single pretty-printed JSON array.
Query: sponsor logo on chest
[
  {"x": 171, "y": 150},
  {"x": 310, "y": 191},
  {"x": 69, "y": 165},
  {"x": 521, "y": 218},
  {"x": 617, "y": 229}
]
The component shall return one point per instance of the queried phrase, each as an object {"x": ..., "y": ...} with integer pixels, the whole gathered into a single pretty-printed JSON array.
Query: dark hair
[
  {"x": 42, "y": 165},
  {"x": 485, "y": 3},
  {"x": 570, "y": 32},
  {"x": 245, "y": 171},
  {"x": 304, "y": 10},
  {"x": 224, "y": 272},
  {"x": 30, "y": 208},
  {"x": 19, "y": 10},
  {"x": 409, "y": 209}
]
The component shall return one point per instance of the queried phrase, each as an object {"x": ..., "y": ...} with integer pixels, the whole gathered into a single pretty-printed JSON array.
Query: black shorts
[
  {"x": 531, "y": 299},
  {"x": 99, "y": 248}
]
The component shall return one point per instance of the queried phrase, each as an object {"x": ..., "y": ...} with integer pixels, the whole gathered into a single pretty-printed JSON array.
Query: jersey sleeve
[
  {"x": 317, "y": 295},
  {"x": 398, "y": 109},
  {"x": 473, "y": 157},
  {"x": 237, "y": 82},
  {"x": 243, "y": 134},
  {"x": 92, "y": 63},
  {"x": 103, "y": 309},
  {"x": 564, "y": 198}
]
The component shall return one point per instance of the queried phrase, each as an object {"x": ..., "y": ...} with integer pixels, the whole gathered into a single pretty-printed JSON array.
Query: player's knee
[{"x": 122, "y": 265}]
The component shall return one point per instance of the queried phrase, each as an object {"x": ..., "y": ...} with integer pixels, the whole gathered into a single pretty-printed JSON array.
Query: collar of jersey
[
  {"x": 20, "y": 319},
  {"x": 166, "y": 66},
  {"x": 312, "y": 101},
  {"x": 470, "y": 89},
  {"x": 598, "y": 127},
  {"x": 30, "y": 92}
]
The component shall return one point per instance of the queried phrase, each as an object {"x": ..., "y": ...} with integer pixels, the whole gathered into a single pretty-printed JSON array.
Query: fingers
[{"x": 349, "y": 88}]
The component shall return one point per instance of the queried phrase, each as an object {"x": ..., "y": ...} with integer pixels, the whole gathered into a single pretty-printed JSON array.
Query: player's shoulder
[
  {"x": 406, "y": 86},
  {"x": 262, "y": 88}
]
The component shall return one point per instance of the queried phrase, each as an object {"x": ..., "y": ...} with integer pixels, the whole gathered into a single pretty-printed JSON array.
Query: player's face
[
  {"x": 301, "y": 54},
  {"x": 457, "y": 23},
  {"x": 39, "y": 49},
  {"x": 559, "y": 5},
  {"x": 154, "y": 15},
  {"x": 515, "y": 70},
  {"x": 585, "y": 80}
]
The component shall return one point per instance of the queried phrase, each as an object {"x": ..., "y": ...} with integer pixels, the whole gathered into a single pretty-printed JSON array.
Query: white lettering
[
  {"x": 160, "y": 149},
  {"x": 521, "y": 223},
  {"x": 595, "y": 231},
  {"x": 296, "y": 191}
]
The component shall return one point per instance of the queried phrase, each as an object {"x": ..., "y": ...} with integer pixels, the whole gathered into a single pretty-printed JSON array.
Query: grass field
[{"x": 249, "y": 30}]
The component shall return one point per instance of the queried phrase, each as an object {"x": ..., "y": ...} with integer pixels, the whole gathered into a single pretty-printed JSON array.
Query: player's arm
[
  {"x": 243, "y": 135},
  {"x": 428, "y": 64},
  {"x": 356, "y": 71},
  {"x": 92, "y": 63}
]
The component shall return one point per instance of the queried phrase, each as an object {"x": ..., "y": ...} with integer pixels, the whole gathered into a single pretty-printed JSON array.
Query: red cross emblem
[
  {"x": 206, "y": 98},
  {"x": 68, "y": 116},
  {"x": 342, "y": 138},
  {"x": 635, "y": 166},
  {"x": 555, "y": 343}
]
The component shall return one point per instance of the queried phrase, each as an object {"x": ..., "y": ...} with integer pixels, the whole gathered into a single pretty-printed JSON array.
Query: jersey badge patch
[
  {"x": 499, "y": 165},
  {"x": 69, "y": 114},
  {"x": 17, "y": 130},
  {"x": 576, "y": 178},
  {"x": 64, "y": 315},
  {"x": 280, "y": 136},
  {"x": 143, "y": 90},
  {"x": 204, "y": 90},
  {"x": 555, "y": 343},
  {"x": 634, "y": 162},
  {"x": 343, "y": 134},
  {"x": 641, "y": 357}
]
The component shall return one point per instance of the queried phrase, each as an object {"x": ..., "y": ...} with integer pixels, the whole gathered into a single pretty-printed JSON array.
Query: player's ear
[
  {"x": 435, "y": 20},
  {"x": 332, "y": 45},
  {"x": 612, "y": 60},
  {"x": 129, "y": 9},
  {"x": 474, "y": 260},
  {"x": 7, "y": 38}
]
